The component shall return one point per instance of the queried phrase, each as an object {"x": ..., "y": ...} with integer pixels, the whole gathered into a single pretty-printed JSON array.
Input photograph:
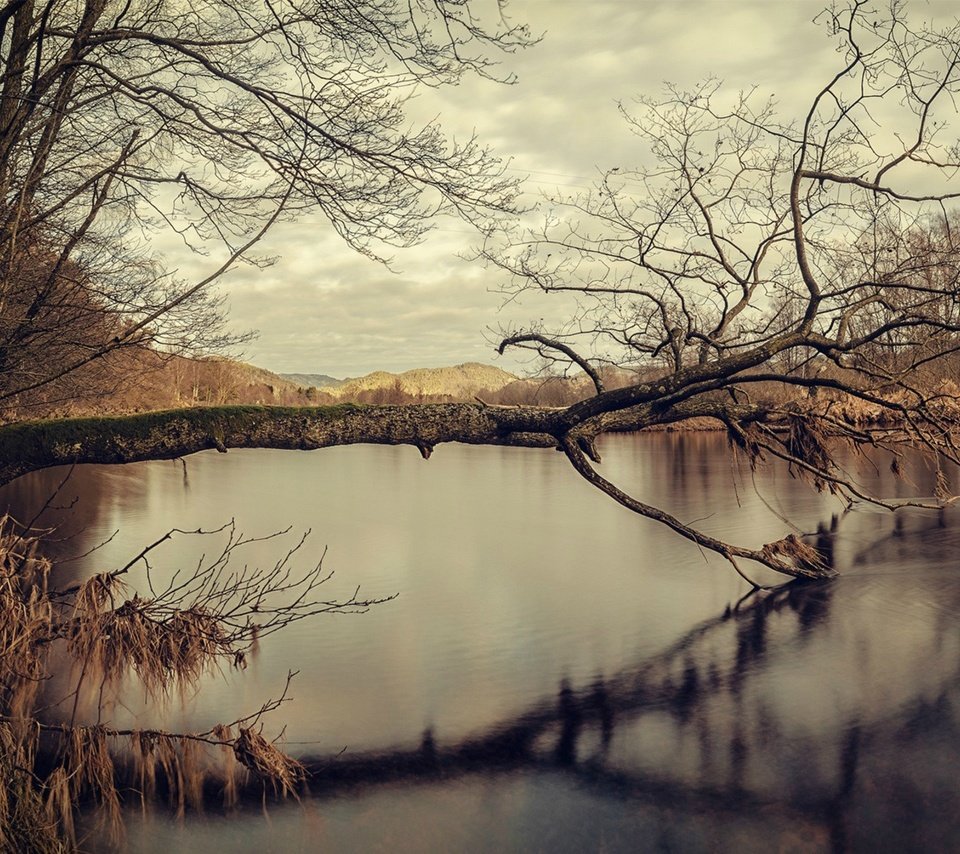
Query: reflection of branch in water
[
  {"x": 571, "y": 733},
  {"x": 568, "y": 711},
  {"x": 904, "y": 538},
  {"x": 710, "y": 687},
  {"x": 671, "y": 682}
]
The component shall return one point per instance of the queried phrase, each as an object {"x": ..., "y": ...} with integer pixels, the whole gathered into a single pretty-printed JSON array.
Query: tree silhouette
[{"x": 208, "y": 124}]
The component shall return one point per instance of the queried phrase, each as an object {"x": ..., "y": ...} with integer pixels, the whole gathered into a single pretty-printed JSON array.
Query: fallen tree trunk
[
  {"x": 30, "y": 446},
  {"x": 33, "y": 445}
]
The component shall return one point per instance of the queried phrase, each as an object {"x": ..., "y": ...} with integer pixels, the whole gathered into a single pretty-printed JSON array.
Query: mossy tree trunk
[{"x": 30, "y": 446}]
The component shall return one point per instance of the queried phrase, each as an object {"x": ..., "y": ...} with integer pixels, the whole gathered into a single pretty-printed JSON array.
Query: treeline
[
  {"x": 141, "y": 379},
  {"x": 549, "y": 391},
  {"x": 218, "y": 381}
]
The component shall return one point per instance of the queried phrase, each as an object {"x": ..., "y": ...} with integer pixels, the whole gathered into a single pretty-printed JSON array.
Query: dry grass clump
[
  {"x": 167, "y": 641},
  {"x": 792, "y": 551},
  {"x": 88, "y": 772},
  {"x": 26, "y": 614},
  {"x": 268, "y": 762},
  {"x": 175, "y": 763},
  {"x": 24, "y": 628},
  {"x": 25, "y": 822},
  {"x": 808, "y": 441},
  {"x": 744, "y": 437},
  {"x": 230, "y": 769},
  {"x": 163, "y": 648}
]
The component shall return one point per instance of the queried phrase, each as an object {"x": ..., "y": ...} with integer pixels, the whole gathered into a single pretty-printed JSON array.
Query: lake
[{"x": 555, "y": 673}]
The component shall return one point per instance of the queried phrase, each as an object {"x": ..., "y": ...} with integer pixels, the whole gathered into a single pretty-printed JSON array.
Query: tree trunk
[{"x": 34, "y": 445}]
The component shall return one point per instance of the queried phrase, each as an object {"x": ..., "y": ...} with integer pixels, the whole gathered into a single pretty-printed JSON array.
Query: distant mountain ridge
[
  {"x": 460, "y": 381},
  {"x": 465, "y": 382},
  {"x": 314, "y": 380}
]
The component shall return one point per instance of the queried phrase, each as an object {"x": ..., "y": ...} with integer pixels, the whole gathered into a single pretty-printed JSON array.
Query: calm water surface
[{"x": 555, "y": 673}]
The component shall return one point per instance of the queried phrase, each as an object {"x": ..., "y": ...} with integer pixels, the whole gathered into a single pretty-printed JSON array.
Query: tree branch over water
[
  {"x": 30, "y": 446},
  {"x": 813, "y": 255},
  {"x": 757, "y": 429}
]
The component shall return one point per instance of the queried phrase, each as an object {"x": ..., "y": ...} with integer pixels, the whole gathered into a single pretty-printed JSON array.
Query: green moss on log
[{"x": 32, "y": 445}]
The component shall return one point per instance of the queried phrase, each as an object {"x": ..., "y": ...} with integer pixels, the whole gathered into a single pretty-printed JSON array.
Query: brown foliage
[{"x": 165, "y": 640}]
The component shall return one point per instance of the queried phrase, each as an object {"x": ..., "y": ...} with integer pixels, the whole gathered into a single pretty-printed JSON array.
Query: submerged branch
[{"x": 789, "y": 556}]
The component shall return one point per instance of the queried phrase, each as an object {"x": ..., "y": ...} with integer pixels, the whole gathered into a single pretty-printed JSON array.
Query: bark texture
[{"x": 30, "y": 446}]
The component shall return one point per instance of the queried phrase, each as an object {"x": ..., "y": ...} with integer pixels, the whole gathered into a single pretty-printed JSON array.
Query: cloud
[{"x": 322, "y": 308}]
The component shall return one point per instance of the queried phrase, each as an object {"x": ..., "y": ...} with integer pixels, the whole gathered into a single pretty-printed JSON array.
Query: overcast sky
[{"x": 323, "y": 309}]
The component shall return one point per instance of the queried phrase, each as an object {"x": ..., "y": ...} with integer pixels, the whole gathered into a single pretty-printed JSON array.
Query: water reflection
[
  {"x": 706, "y": 695},
  {"x": 556, "y": 673}
]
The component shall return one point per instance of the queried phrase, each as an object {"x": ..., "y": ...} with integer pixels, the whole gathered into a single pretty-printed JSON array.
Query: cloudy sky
[{"x": 323, "y": 309}]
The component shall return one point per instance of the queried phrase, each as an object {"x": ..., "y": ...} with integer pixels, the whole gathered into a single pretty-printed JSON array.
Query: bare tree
[
  {"x": 209, "y": 122},
  {"x": 816, "y": 253}
]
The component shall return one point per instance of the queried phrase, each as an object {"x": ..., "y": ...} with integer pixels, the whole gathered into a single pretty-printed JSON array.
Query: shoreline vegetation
[
  {"x": 153, "y": 382},
  {"x": 176, "y": 406}
]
